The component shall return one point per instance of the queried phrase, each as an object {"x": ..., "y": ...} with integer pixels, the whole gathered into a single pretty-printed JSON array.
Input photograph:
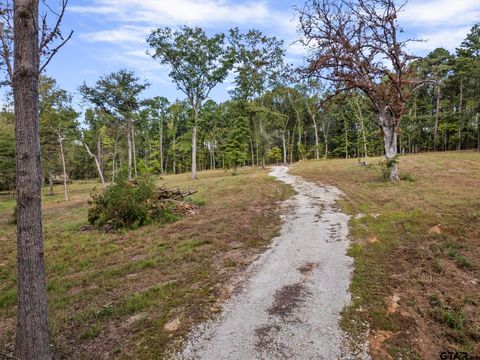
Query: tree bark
[
  {"x": 32, "y": 335},
  {"x": 437, "y": 118},
  {"x": 62, "y": 157},
  {"x": 460, "y": 119},
  {"x": 390, "y": 142},
  {"x": 50, "y": 184},
  {"x": 194, "y": 143},
  {"x": 134, "y": 151},
  {"x": 162, "y": 171},
  {"x": 97, "y": 163},
  {"x": 315, "y": 129},
  {"x": 284, "y": 145},
  {"x": 129, "y": 151}
]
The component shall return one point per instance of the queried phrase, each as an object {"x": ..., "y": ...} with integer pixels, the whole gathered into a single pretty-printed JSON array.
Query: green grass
[
  {"x": 117, "y": 291},
  {"x": 413, "y": 238}
]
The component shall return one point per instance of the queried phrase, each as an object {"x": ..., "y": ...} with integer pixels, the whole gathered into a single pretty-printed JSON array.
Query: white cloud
[
  {"x": 122, "y": 34},
  {"x": 449, "y": 39},
  {"x": 205, "y": 13},
  {"x": 441, "y": 12}
]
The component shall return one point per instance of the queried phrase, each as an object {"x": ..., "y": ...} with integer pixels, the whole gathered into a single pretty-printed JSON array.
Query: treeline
[{"x": 273, "y": 116}]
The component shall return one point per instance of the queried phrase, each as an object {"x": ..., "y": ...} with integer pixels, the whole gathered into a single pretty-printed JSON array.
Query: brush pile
[{"x": 129, "y": 204}]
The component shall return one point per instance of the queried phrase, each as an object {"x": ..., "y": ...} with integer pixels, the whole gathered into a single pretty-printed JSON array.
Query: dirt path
[{"x": 290, "y": 304}]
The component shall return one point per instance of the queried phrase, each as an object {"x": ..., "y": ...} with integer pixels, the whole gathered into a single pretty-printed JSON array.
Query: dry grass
[
  {"x": 134, "y": 294},
  {"x": 416, "y": 247}
]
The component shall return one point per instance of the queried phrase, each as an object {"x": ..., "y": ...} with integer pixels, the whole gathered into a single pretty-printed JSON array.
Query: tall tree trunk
[
  {"x": 97, "y": 163},
  {"x": 129, "y": 151},
  {"x": 478, "y": 131},
  {"x": 194, "y": 143},
  {"x": 315, "y": 129},
  {"x": 162, "y": 171},
  {"x": 32, "y": 335},
  {"x": 50, "y": 184},
  {"x": 437, "y": 118},
  {"x": 284, "y": 145},
  {"x": 62, "y": 157},
  {"x": 174, "y": 161},
  {"x": 134, "y": 151},
  {"x": 362, "y": 125},
  {"x": 390, "y": 143},
  {"x": 252, "y": 154},
  {"x": 346, "y": 137},
  {"x": 460, "y": 118},
  {"x": 100, "y": 152}
]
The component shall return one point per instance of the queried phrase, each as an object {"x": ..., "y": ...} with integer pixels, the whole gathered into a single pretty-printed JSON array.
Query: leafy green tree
[
  {"x": 274, "y": 155},
  {"x": 198, "y": 63},
  {"x": 118, "y": 94},
  {"x": 236, "y": 147},
  {"x": 58, "y": 125}
]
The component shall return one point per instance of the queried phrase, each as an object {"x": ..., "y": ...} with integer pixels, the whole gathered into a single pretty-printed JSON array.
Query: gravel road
[{"x": 290, "y": 304}]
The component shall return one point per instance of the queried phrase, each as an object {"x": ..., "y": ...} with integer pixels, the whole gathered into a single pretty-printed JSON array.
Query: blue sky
[{"x": 110, "y": 34}]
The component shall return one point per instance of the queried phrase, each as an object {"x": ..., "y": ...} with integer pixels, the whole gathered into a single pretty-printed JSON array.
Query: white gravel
[{"x": 289, "y": 307}]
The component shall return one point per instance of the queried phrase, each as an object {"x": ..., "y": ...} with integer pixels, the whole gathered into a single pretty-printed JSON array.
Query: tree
[
  {"x": 236, "y": 146},
  {"x": 356, "y": 45},
  {"x": 118, "y": 94},
  {"x": 57, "y": 124},
  {"x": 259, "y": 62},
  {"x": 198, "y": 63},
  {"x": 157, "y": 109},
  {"x": 33, "y": 41}
]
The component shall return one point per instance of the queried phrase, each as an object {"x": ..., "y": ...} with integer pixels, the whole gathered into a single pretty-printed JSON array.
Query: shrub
[{"x": 128, "y": 204}]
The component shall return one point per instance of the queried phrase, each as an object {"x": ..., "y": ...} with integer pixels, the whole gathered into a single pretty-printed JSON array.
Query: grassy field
[
  {"x": 134, "y": 294},
  {"x": 416, "y": 247}
]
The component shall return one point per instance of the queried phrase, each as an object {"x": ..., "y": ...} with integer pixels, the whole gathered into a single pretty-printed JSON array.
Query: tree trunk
[
  {"x": 62, "y": 157},
  {"x": 437, "y": 119},
  {"x": 50, "y": 184},
  {"x": 32, "y": 335},
  {"x": 478, "y": 131},
  {"x": 162, "y": 171},
  {"x": 235, "y": 169},
  {"x": 129, "y": 151},
  {"x": 252, "y": 152},
  {"x": 97, "y": 163},
  {"x": 390, "y": 142},
  {"x": 362, "y": 125},
  {"x": 284, "y": 145},
  {"x": 194, "y": 143},
  {"x": 134, "y": 151},
  {"x": 460, "y": 119},
  {"x": 315, "y": 129}
]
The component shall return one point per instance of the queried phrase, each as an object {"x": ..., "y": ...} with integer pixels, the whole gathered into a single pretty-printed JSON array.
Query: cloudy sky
[{"x": 110, "y": 34}]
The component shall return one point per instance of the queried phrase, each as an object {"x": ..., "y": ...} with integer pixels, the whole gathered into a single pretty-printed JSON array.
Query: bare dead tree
[
  {"x": 28, "y": 45},
  {"x": 356, "y": 44}
]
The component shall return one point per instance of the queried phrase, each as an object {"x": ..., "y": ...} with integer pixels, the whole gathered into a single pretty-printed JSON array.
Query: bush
[{"x": 128, "y": 204}]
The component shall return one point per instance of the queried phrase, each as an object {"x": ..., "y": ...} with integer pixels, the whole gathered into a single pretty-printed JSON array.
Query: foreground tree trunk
[{"x": 32, "y": 336}]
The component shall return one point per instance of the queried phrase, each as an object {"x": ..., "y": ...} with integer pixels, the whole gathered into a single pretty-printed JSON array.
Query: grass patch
[
  {"x": 116, "y": 291},
  {"x": 412, "y": 239}
]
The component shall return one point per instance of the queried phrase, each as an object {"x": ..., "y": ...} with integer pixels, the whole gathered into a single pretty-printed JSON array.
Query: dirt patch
[
  {"x": 436, "y": 229},
  {"x": 307, "y": 268},
  {"x": 376, "y": 341},
  {"x": 287, "y": 299},
  {"x": 393, "y": 303}
]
